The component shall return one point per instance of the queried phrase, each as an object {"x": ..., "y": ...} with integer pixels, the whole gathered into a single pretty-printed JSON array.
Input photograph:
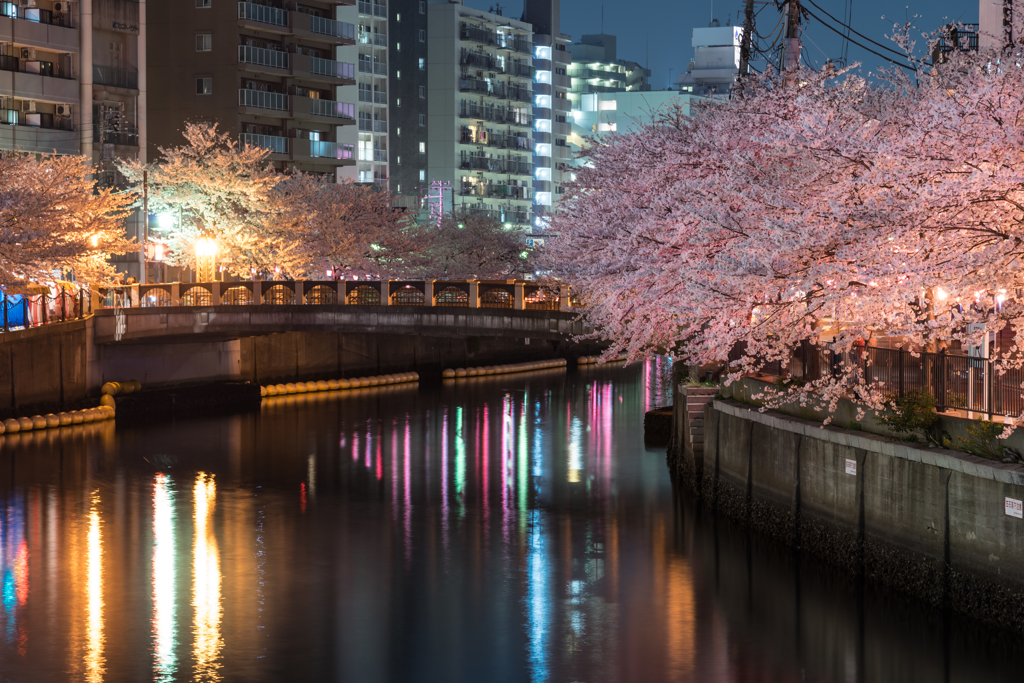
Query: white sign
[
  {"x": 1014, "y": 508},
  {"x": 851, "y": 467}
]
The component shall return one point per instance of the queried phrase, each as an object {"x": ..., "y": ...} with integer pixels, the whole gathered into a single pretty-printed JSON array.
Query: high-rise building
[
  {"x": 596, "y": 68},
  {"x": 268, "y": 73},
  {"x": 409, "y": 98},
  {"x": 551, "y": 107},
  {"x": 480, "y": 111},
  {"x": 370, "y": 96}
]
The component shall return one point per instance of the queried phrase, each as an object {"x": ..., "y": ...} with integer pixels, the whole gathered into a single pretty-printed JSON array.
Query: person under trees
[
  {"x": 838, "y": 210},
  {"x": 54, "y": 222}
]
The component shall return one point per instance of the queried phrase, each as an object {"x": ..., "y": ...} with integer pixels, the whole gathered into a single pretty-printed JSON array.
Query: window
[
  {"x": 398, "y": 131},
  {"x": 423, "y": 35},
  {"x": 423, "y": 63},
  {"x": 423, "y": 7},
  {"x": 423, "y": 92},
  {"x": 423, "y": 119},
  {"x": 423, "y": 148},
  {"x": 398, "y": 73},
  {"x": 204, "y": 42},
  {"x": 398, "y": 16},
  {"x": 398, "y": 46},
  {"x": 399, "y": 190},
  {"x": 203, "y": 4},
  {"x": 204, "y": 86},
  {"x": 398, "y": 101},
  {"x": 398, "y": 159},
  {"x": 423, "y": 174}
]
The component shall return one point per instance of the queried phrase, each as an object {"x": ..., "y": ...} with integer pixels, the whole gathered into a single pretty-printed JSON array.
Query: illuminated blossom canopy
[
  {"x": 836, "y": 211},
  {"x": 54, "y": 222}
]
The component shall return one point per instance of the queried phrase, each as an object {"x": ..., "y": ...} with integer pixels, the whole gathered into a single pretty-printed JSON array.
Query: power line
[
  {"x": 863, "y": 47},
  {"x": 852, "y": 30}
]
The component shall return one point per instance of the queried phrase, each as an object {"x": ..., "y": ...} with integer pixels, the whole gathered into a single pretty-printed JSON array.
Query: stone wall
[
  {"x": 44, "y": 370},
  {"x": 929, "y": 522}
]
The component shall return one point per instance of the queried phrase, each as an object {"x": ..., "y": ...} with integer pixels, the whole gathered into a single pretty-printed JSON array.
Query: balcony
[
  {"x": 380, "y": 155},
  {"x": 516, "y": 167},
  {"x": 308, "y": 107},
  {"x": 342, "y": 30},
  {"x": 524, "y": 70},
  {"x": 477, "y": 35},
  {"x": 258, "y": 56},
  {"x": 373, "y": 8},
  {"x": 126, "y": 138},
  {"x": 479, "y": 163},
  {"x": 262, "y": 14},
  {"x": 47, "y": 135},
  {"x": 262, "y": 99},
  {"x": 36, "y": 15},
  {"x": 376, "y": 68},
  {"x": 32, "y": 66},
  {"x": 369, "y": 38},
  {"x": 373, "y": 96},
  {"x": 483, "y": 87},
  {"x": 520, "y": 94},
  {"x": 480, "y": 61},
  {"x": 115, "y": 77},
  {"x": 332, "y": 69},
  {"x": 321, "y": 149},
  {"x": 276, "y": 144}
]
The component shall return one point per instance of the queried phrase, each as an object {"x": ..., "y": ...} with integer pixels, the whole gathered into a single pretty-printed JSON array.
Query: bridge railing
[
  {"x": 43, "y": 306},
  {"x": 504, "y": 294}
]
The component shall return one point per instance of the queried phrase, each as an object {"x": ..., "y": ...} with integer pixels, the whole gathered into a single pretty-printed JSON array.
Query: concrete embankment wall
[
  {"x": 929, "y": 522},
  {"x": 58, "y": 367}
]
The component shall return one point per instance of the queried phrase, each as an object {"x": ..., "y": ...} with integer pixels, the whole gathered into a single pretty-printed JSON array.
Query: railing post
[
  {"x": 342, "y": 292},
  {"x": 257, "y": 292},
  {"x": 215, "y": 293},
  {"x": 24, "y": 318},
  {"x": 7, "y": 327},
  {"x": 989, "y": 381},
  {"x": 385, "y": 292},
  {"x": 42, "y": 299},
  {"x": 63, "y": 305},
  {"x": 941, "y": 408},
  {"x": 518, "y": 302},
  {"x": 564, "y": 302},
  {"x": 133, "y": 292},
  {"x": 474, "y": 294},
  {"x": 175, "y": 294},
  {"x": 302, "y": 287},
  {"x": 81, "y": 306},
  {"x": 428, "y": 292}
]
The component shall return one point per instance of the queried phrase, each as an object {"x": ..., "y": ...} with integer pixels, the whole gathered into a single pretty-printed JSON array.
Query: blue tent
[{"x": 14, "y": 303}]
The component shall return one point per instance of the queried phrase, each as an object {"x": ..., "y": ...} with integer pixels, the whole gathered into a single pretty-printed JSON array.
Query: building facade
[
  {"x": 596, "y": 68},
  {"x": 267, "y": 73},
  {"x": 409, "y": 99},
  {"x": 716, "y": 61},
  {"x": 551, "y": 109},
  {"x": 480, "y": 111},
  {"x": 370, "y": 96}
]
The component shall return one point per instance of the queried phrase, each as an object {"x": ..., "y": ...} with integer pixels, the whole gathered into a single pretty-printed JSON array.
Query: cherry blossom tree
[
  {"x": 55, "y": 222},
  {"x": 220, "y": 190},
  {"x": 342, "y": 227},
  {"x": 466, "y": 245},
  {"x": 836, "y": 211}
]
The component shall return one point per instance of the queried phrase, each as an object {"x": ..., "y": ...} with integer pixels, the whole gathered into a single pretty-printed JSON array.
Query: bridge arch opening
[
  {"x": 408, "y": 296},
  {"x": 452, "y": 296},
  {"x": 364, "y": 295}
]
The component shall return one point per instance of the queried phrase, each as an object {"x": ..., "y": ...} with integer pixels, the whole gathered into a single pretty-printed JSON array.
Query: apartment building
[
  {"x": 69, "y": 78},
  {"x": 551, "y": 108},
  {"x": 268, "y": 72},
  {"x": 370, "y": 96},
  {"x": 479, "y": 94},
  {"x": 596, "y": 68},
  {"x": 409, "y": 101}
]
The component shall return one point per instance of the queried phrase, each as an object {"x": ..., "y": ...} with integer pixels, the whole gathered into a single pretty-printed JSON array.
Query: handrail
[{"x": 35, "y": 310}]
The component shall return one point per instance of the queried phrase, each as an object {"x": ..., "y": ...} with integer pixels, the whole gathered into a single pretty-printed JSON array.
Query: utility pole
[
  {"x": 748, "y": 29},
  {"x": 145, "y": 226},
  {"x": 791, "y": 56}
]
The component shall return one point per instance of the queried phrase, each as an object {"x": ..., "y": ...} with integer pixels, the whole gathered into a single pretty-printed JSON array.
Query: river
[{"x": 510, "y": 528}]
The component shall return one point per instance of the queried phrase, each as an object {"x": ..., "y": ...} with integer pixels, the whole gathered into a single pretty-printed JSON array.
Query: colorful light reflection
[
  {"x": 164, "y": 595},
  {"x": 206, "y": 578}
]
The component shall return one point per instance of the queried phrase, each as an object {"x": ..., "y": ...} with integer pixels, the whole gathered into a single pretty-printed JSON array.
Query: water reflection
[
  {"x": 94, "y": 660},
  {"x": 206, "y": 583},
  {"x": 165, "y": 663},
  {"x": 508, "y": 529}
]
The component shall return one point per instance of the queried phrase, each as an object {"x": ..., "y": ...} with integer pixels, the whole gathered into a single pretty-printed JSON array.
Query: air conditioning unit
[
  {"x": 28, "y": 53},
  {"x": 64, "y": 111},
  {"x": 62, "y": 7},
  {"x": 28, "y": 106}
]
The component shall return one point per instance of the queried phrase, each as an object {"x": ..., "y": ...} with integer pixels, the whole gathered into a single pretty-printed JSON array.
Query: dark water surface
[{"x": 504, "y": 529}]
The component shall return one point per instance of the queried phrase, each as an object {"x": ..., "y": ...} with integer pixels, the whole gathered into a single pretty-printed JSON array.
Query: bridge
[{"x": 171, "y": 334}]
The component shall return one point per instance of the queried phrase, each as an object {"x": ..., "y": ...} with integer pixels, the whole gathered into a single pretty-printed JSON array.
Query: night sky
[{"x": 665, "y": 25}]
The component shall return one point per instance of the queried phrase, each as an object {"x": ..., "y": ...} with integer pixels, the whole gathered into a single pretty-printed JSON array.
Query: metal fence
[
  {"x": 22, "y": 311},
  {"x": 957, "y": 382}
]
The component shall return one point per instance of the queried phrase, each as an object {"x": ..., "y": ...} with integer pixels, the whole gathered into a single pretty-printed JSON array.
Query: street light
[{"x": 206, "y": 260}]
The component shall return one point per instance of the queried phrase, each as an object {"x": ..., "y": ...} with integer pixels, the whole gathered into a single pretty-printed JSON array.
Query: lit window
[
  {"x": 204, "y": 42},
  {"x": 398, "y": 131},
  {"x": 543, "y": 149},
  {"x": 542, "y": 173},
  {"x": 204, "y": 86},
  {"x": 542, "y": 52},
  {"x": 543, "y": 198},
  {"x": 398, "y": 73},
  {"x": 423, "y": 63},
  {"x": 423, "y": 174},
  {"x": 543, "y": 125},
  {"x": 608, "y": 105},
  {"x": 398, "y": 46},
  {"x": 398, "y": 159},
  {"x": 543, "y": 101},
  {"x": 398, "y": 16},
  {"x": 542, "y": 76},
  {"x": 607, "y": 127},
  {"x": 423, "y": 148}
]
